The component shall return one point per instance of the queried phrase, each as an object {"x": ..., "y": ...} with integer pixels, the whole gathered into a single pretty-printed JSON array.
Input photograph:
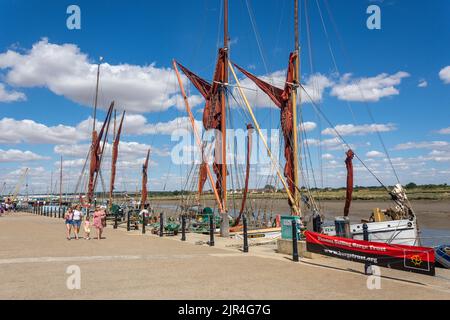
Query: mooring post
[
  {"x": 294, "y": 241},
  {"x": 143, "y": 222},
  {"x": 115, "y": 220},
  {"x": 183, "y": 228},
  {"x": 128, "y": 219},
  {"x": 161, "y": 224},
  {"x": 367, "y": 266},
  {"x": 211, "y": 230},
  {"x": 244, "y": 222}
]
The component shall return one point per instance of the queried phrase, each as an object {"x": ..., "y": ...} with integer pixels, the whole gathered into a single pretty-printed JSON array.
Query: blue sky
[{"x": 401, "y": 71}]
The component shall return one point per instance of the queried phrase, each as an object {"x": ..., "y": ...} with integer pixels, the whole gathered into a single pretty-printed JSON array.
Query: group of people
[
  {"x": 7, "y": 206},
  {"x": 75, "y": 217}
]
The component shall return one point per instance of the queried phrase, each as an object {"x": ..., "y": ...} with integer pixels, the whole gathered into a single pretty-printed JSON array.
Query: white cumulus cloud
[
  {"x": 374, "y": 154},
  {"x": 370, "y": 89},
  {"x": 444, "y": 74},
  {"x": 444, "y": 131},
  {"x": 422, "y": 84},
  {"x": 13, "y": 155},
  {"x": 351, "y": 129},
  {"x": 10, "y": 96},
  {"x": 66, "y": 71},
  {"x": 307, "y": 126},
  {"x": 423, "y": 145},
  {"x": 29, "y": 131}
]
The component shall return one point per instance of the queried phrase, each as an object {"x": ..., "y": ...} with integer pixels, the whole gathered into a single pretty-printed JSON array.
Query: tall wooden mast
[
  {"x": 60, "y": 182},
  {"x": 96, "y": 93},
  {"x": 294, "y": 112},
  {"x": 225, "y": 224},
  {"x": 111, "y": 186},
  {"x": 91, "y": 186}
]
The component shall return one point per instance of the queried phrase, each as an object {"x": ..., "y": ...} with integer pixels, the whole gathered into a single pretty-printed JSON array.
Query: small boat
[{"x": 443, "y": 255}]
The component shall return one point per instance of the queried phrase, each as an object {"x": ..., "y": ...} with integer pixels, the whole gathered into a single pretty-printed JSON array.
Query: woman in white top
[{"x": 77, "y": 215}]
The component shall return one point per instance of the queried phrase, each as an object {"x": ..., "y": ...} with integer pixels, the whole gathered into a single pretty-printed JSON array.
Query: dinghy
[{"x": 443, "y": 255}]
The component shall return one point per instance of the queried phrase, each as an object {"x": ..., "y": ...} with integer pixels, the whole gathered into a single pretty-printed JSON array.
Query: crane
[{"x": 19, "y": 185}]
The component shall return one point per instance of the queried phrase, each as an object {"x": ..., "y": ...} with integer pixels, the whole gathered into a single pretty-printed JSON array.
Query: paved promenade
[{"x": 35, "y": 255}]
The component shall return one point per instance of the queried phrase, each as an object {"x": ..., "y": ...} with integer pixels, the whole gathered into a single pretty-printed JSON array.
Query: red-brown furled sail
[
  {"x": 214, "y": 117},
  {"x": 144, "y": 181},
  {"x": 349, "y": 191},
  {"x": 283, "y": 100},
  {"x": 247, "y": 173},
  {"x": 212, "y": 113},
  {"x": 202, "y": 175},
  {"x": 115, "y": 155},
  {"x": 96, "y": 153}
]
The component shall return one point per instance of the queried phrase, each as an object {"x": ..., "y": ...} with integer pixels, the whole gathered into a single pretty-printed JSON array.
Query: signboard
[{"x": 401, "y": 257}]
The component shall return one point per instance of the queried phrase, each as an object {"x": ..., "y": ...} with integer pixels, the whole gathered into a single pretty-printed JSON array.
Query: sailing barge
[{"x": 396, "y": 225}]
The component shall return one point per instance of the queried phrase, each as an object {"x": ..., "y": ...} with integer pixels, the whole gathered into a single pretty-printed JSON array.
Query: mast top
[
  {"x": 297, "y": 43},
  {"x": 225, "y": 25}
]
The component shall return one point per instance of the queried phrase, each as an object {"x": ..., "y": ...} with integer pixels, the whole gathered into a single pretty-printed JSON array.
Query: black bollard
[
  {"x": 161, "y": 224},
  {"x": 244, "y": 222},
  {"x": 144, "y": 220},
  {"x": 211, "y": 230},
  {"x": 294, "y": 241},
  {"x": 183, "y": 228},
  {"x": 115, "y": 221},
  {"x": 128, "y": 219},
  {"x": 367, "y": 266}
]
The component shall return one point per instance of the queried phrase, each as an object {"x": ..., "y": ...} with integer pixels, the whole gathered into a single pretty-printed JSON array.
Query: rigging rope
[
  {"x": 358, "y": 86},
  {"x": 341, "y": 138}
]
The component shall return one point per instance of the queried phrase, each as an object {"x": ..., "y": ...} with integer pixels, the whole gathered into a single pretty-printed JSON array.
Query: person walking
[
  {"x": 87, "y": 227},
  {"x": 99, "y": 216},
  {"x": 68, "y": 219},
  {"x": 77, "y": 215}
]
